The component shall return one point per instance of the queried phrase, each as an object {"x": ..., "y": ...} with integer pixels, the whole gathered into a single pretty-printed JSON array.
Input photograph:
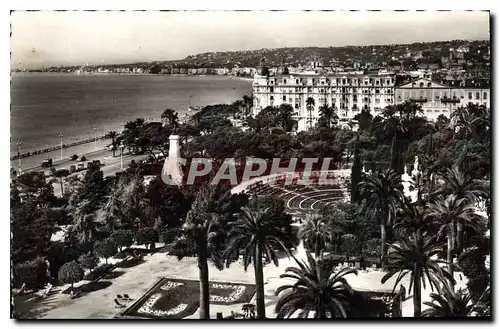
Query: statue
[
  {"x": 415, "y": 167},
  {"x": 415, "y": 163}
]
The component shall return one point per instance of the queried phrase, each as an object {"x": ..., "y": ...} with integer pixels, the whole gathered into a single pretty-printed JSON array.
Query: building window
[
  {"x": 272, "y": 98},
  {"x": 478, "y": 95},
  {"x": 399, "y": 97},
  {"x": 377, "y": 101},
  {"x": 284, "y": 98},
  {"x": 271, "y": 89},
  {"x": 366, "y": 107},
  {"x": 421, "y": 84},
  {"x": 354, "y": 107},
  {"x": 377, "y": 91},
  {"x": 366, "y": 99},
  {"x": 414, "y": 84},
  {"x": 343, "y": 81},
  {"x": 485, "y": 95},
  {"x": 284, "y": 81},
  {"x": 296, "y": 106},
  {"x": 470, "y": 95},
  {"x": 437, "y": 97},
  {"x": 429, "y": 85}
]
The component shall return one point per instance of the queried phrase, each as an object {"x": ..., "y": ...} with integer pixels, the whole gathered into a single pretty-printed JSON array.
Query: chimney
[{"x": 172, "y": 168}]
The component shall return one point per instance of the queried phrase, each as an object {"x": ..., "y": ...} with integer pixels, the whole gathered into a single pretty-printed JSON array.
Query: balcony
[
  {"x": 450, "y": 100},
  {"x": 418, "y": 100}
]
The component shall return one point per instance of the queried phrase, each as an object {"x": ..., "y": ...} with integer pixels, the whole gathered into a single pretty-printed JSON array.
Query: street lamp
[
  {"x": 121, "y": 156},
  {"x": 19, "y": 153},
  {"x": 61, "y": 135},
  {"x": 95, "y": 138}
]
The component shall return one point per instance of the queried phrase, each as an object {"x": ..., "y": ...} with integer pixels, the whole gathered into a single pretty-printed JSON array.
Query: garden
[{"x": 179, "y": 298}]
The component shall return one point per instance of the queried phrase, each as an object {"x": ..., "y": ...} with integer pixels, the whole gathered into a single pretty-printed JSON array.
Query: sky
[{"x": 49, "y": 38}]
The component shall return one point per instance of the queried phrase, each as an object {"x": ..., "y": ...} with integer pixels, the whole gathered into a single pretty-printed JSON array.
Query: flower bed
[{"x": 179, "y": 298}]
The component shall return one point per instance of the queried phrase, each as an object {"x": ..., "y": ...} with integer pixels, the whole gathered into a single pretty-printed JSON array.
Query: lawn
[{"x": 179, "y": 298}]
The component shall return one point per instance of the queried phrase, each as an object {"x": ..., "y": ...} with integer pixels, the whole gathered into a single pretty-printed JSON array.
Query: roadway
[{"x": 110, "y": 165}]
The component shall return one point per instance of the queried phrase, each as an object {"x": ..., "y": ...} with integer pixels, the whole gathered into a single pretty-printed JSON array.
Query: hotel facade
[{"x": 349, "y": 94}]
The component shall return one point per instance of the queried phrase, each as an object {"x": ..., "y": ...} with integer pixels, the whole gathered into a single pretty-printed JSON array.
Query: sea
[{"x": 45, "y": 104}]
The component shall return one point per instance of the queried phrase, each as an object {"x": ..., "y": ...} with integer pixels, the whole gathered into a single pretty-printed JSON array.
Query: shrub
[
  {"x": 83, "y": 158},
  {"x": 122, "y": 238},
  {"x": 105, "y": 248},
  {"x": 70, "y": 273},
  {"x": 74, "y": 157},
  {"x": 145, "y": 236},
  {"x": 170, "y": 235},
  {"x": 98, "y": 272},
  {"x": 372, "y": 248},
  {"x": 32, "y": 273},
  {"x": 120, "y": 255},
  {"x": 88, "y": 261}
]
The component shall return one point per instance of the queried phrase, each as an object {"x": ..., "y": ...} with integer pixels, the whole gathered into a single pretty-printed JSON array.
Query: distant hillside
[
  {"x": 301, "y": 55},
  {"x": 293, "y": 56}
]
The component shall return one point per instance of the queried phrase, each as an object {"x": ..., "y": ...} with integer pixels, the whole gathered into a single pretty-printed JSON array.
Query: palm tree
[
  {"x": 414, "y": 255},
  {"x": 316, "y": 233},
  {"x": 203, "y": 235},
  {"x": 449, "y": 304},
  {"x": 328, "y": 116},
  {"x": 318, "y": 288},
  {"x": 284, "y": 118},
  {"x": 310, "y": 108},
  {"x": 113, "y": 134},
  {"x": 410, "y": 217},
  {"x": 257, "y": 233},
  {"x": 381, "y": 195},
  {"x": 171, "y": 119},
  {"x": 462, "y": 186},
  {"x": 113, "y": 207},
  {"x": 447, "y": 212}
]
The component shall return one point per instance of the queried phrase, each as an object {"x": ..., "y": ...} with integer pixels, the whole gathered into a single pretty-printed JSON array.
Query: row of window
[
  {"x": 356, "y": 81},
  {"x": 477, "y": 95}
]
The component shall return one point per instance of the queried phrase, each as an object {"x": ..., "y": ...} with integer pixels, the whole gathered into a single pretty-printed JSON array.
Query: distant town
[{"x": 455, "y": 59}]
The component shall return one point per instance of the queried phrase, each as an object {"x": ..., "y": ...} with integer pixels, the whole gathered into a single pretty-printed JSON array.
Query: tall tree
[
  {"x": 414, "y": 255},
  {"x": 257, "y": 234},
  {"x": 327, "y": 116},
  {"x": 447, "y": 212},
  {"x": 113, "y": 134},
  {"x": 316, "y": 234},
  {"x": 317, "y": 288},
  {"x": 463, "y": 186},
  {"x": 381, "y": 196},
  {"x": 356, "y": 171},
  {"x": 310, "y": 108},
  {"x": 171, "y": 119},
  {"x": 203, "y": 235}
]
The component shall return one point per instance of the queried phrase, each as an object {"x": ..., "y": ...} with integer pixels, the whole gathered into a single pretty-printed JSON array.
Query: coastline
[
  {"x": 136, "y": 74},
  {"x": 57, "y": 148}
]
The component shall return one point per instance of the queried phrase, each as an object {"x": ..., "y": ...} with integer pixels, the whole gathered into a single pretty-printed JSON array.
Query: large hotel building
[{"x": 351, "y": 93}]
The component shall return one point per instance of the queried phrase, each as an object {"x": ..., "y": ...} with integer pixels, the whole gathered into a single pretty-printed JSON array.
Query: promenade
[{"x": 35, "y": 161}]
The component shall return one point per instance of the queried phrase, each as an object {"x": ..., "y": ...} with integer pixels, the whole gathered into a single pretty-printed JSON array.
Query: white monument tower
[{"x": 171, "y": 173}]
